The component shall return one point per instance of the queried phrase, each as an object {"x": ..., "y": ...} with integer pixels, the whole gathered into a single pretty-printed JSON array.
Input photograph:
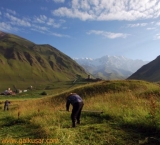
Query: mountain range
[
  {"x": 110, "y": 67},
  {"x": 24, "y": 62}
]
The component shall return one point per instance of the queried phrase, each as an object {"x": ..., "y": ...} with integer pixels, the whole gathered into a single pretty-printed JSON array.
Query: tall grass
[{"x": 128, "y": 116}]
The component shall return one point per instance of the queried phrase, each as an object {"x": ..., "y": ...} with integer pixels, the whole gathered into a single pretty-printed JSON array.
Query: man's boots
[
  {"x": 73, "y": 124},
  {"x": 78, "y": 122}
]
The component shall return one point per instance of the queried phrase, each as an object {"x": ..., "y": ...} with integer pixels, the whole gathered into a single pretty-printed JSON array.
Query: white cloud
[
  {"x": 102, "y": 10},
  {"x": 108, "y": 34},
  {"x": 137, "y": 25},
  {"x": 11, "y": 11},
  {"x": 151, "y": 28},
  {"x": 41, "y": 28},
  {"x": 157, "y": 37},
  {"x": 40, "y": 19},
  {"x": 59, "y": 1},
  {"x": 45, "y": 30},
  {"x": 60, "y": 35},
  {"x": 73, "y": 13},
  {"x": 41, "y": 23},
  {"x": 158, "y": 23},
  {"x": 44, "y": 8},
  {"x": 17, "y": 21},
  {"x": 52, "y": 23},
  {"x": 6, "y": 27}
]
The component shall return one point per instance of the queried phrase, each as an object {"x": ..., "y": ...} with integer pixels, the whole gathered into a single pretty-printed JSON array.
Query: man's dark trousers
[{"x": 76, "y": 113}]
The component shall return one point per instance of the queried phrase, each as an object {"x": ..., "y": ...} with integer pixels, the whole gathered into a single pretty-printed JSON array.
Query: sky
[{"x": 87, "y": 28}]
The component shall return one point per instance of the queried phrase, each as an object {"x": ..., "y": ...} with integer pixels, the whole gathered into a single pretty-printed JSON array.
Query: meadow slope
[{"x": 131, "y": 116}]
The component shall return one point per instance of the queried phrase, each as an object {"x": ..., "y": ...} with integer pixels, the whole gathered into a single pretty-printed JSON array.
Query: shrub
[{"x": 44, "y": 93}]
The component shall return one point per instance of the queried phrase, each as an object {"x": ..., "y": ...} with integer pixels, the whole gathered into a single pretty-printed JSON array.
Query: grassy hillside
[
  {"x": 23, "y": 63},
  {"x": 149, "y": 72},
  {"x": 131, "y": 116}
]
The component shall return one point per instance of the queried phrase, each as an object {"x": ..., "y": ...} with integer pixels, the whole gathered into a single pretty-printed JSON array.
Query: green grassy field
[{"x": 131, "y": 115}]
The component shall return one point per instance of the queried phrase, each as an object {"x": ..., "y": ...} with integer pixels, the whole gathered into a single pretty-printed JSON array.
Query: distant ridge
[
  {"x": 149, "y": 72},
  {"x": 24, "y": 62}
]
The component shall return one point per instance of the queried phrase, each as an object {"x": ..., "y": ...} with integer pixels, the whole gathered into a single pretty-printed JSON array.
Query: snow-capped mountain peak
[{"x": 111, "y": 64}]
